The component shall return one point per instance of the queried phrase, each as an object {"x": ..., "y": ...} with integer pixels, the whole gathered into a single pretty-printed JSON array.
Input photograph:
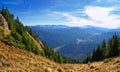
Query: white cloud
[
  {"x": 97, "y": 16},
  {"x": 67, "y": 15},
  {"x": 102, "y": 16}
]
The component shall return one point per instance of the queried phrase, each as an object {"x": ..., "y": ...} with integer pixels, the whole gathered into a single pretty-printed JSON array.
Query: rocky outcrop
[{"x": 3, "y": 23}]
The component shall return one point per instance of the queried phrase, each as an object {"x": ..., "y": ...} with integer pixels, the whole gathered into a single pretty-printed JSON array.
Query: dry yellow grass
[
  {"x": 17, "y": 60},
  {"x": 14, "y": 60}
]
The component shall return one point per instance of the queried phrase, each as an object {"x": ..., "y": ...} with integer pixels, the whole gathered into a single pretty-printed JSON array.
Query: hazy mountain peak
[{"x": 52, "y": 26}]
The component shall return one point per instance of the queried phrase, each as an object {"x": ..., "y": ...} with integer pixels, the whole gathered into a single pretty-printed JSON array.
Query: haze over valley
[{"x": 73, "y": 42}]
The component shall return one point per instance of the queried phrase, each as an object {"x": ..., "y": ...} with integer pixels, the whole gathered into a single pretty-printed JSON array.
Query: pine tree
[
  {"x": 19, "y": 37},
  {"x": 88, "y": 58},
  {"x": 113, "y": 46},
  {"x": 105, "y": 50}
]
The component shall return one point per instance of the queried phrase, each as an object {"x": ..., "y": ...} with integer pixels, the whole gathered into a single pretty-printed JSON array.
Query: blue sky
[{"x": 103, "y": 13}]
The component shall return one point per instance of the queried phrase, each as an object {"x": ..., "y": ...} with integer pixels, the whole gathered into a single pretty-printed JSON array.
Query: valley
[
  {"x": 73, "y": 42},
  {"x": 59, "y": 36}
]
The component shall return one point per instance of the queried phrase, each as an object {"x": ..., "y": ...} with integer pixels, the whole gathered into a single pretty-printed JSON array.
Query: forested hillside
[
  {"x": 23, "y": 38},
  {"x": 105, "y": 50},
  {"x": 20, "y": 50},
  {"x": 73, "y": 42}
]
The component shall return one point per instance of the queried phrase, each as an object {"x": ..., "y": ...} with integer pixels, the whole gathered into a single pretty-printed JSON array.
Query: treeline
[
  {"x": 105, "y": 50},
  {"x": 20, "y": 39},
  {"x": 49, "y": 53}
]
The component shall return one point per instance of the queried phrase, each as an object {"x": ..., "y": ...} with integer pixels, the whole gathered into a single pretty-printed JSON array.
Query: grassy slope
[{"x": 15, "y": 59}]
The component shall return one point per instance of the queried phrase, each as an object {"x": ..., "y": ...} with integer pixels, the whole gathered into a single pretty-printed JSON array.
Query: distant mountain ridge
[
  {"x": 51, "y": 26},
  {"x": 14, "y": 33},
  {"x": 20, "y": 50},
  {"x": 73, "y": 42}
]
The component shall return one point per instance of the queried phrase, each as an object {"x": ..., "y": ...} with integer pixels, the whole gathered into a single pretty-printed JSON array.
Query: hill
[
  {"x": 73, "y": 42},
  {"x": 22, "y": 51},
  {"x": 14, "y": 59},
  {"x": 18, "y": 60},
  {"x": 13, "y": 32}
]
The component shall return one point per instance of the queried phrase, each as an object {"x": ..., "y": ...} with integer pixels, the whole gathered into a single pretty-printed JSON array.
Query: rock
[
  {"x": 3, "y": 22},
  {"x": 48, "y": 70}
]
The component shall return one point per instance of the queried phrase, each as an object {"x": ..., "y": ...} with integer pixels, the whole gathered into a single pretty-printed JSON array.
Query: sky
[{"x": 102, "y": 13}]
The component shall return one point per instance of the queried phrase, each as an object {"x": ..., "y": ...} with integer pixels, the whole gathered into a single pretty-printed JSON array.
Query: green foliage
[
  {"x": 19, "y": 38},
  {"x": 107, "y": 60},
  {"x": 98, "y": 54},
  {"x": 49, "y": 53},
  {"x": 113, "y": 45},
  {"x": 1, "y": 33},
  {"x": 107, "y": 50},
  {"x": 31, "y": 33},
  {"x": 9, "y": 40},
  {"x": 88, "y": 58}
]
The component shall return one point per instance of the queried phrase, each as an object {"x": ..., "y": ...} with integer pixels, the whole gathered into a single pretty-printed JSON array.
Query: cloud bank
[{"x": 95, "y": 16}]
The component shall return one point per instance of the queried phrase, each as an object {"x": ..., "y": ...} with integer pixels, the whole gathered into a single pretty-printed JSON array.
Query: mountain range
[
  {"x": 13, "y": 32},
  {"x": 22, "y": 51},
  {"x": 73, "y": 42}
]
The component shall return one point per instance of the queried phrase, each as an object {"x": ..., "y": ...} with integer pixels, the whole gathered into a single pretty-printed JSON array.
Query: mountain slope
[
  {"x": 73, "y": 42},
  {"x": 22, "y": 37},
  {"x": 108, "y": 65},
  {"x": 21, "y": 51},
  {"x": 15, "y": 60}
]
